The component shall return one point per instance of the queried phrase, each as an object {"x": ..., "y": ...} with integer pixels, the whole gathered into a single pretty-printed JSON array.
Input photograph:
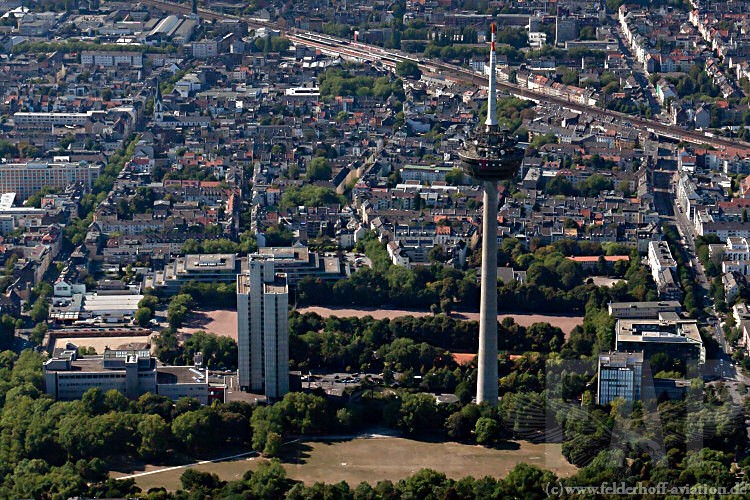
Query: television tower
[{"x": 489, "y": 156}]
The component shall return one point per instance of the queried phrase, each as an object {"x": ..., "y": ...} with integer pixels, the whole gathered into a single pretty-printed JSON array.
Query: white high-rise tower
[{"x": 263, "y": 329}]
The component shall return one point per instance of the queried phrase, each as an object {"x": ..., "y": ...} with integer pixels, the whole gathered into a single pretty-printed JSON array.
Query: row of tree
[
  {"x": 270, "y": 481},
  {"x": 554, "y": 284}
]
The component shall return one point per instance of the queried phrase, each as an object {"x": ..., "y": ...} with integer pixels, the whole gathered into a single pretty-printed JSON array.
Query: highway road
[{"x": 390, "y": 57}]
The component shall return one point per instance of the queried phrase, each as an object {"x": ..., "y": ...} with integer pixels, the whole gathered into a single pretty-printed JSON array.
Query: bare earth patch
[
  {"x": 372, "y": 459},
  {"x": 565, "y": 323},
  {"x": 222, "y": 322}
]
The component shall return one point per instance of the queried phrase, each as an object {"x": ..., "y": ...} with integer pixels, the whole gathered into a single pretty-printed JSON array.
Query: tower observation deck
[{"x": 491, "y": 154}]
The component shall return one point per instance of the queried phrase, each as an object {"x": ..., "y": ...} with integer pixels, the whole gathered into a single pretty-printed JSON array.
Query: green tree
[
  {"x": 417, "y": 414},
  {"x": 178, "y": 309},
  {"x": 461, "y": 424},
  {"x": 195, "y": 480},
  {"x": 195, "y": 430},
  {"x": 268, "y": 481},
  {"x": 143, "y": 316},
  {"x": 487, "y": 430},
  {"x": 455, "y": 177},
  {"x": 265, "y": 421},
  {"x": 408, "y": 69},
  {"x": 156, "y": 436},
  {"x": 319, "y": 169}
]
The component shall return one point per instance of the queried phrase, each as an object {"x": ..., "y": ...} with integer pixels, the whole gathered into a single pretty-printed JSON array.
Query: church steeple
[{"x": 158, "y": 105}]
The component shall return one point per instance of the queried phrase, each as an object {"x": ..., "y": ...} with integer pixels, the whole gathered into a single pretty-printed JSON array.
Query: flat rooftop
[
  {"x": 301, "y": 254},
  {"x": 124, "y": 302},
  {"x": 243, "y": 283},
  {"x": 123, "y": 353},
  {"x": 204, "y": 262},
  {"x": 651, "y": 308},
  {"x": 179, "y": 375},
  {"x": 331, "y": 265},
  {"x": 644, "y": 330},
  {"x": 278, "y": 286}
]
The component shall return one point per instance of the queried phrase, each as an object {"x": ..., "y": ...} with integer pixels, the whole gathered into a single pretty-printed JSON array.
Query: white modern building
[{"x": 263, "y": 329}]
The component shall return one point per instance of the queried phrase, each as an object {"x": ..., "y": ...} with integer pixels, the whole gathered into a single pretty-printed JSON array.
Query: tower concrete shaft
[{"x": 487, "y": 382}]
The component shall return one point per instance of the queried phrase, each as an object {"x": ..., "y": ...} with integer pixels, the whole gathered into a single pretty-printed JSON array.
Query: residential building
[
  {"x": 263, "y": 329},
  {"x": 663, "y": 269},
  {"x": 109, "y": 59},
  {"x": 30, "y": 119},
  {"x": 731, "y": 287},
  {"x": 660, "y": 258},
  {"x": 28, "y": 178},
  {"x": 205, "y": 49}
]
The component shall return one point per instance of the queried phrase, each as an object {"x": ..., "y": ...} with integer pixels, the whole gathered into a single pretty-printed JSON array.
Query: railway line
[{"x": 389, "y": 58}]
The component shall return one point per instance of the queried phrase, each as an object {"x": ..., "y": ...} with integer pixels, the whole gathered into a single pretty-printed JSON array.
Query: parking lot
[
  {"x": 357, "y": 260},
  {"x": 335, "y": 383}
]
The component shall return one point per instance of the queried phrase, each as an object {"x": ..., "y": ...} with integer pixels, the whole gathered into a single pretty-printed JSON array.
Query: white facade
[
  {"x": 27, "y": 178},
  {"x": 660, "y": 258},
  {"x": 205, "y": 49},
  {"x": 263, "y": 329},
  {"x": 112, "y": 59}
]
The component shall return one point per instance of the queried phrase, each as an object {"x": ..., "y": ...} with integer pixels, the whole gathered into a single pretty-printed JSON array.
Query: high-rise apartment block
[{"x": 263, "y": 329}]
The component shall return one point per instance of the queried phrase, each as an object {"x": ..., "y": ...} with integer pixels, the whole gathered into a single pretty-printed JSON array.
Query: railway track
[{"x": 389, "y": 58}]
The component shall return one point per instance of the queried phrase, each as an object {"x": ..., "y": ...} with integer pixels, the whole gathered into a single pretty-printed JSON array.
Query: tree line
[{"x": 554, "y": 284}]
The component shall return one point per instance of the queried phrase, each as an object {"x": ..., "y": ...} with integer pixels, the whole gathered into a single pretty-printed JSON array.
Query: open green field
[{"x": 374, "y": 458}]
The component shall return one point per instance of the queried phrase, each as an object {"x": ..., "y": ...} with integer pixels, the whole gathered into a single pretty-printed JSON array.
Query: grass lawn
[{"x": 381, "y": 457}]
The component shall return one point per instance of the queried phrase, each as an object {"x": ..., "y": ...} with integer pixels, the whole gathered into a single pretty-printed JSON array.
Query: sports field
[{"x": 373, "y": 458}]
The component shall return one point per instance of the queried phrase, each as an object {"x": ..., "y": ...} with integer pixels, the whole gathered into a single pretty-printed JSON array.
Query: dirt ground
[
  {"x": 373, "y": 459},
  {"x": 608, "y": 282},
  {"x": 221, "y": 322},
  {"x": 565, "y": 323},
  {"x": 99, "y": 343}
]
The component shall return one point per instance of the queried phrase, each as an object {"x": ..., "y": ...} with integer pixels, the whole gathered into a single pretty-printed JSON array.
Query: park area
[{"x": 372, "y": 458}]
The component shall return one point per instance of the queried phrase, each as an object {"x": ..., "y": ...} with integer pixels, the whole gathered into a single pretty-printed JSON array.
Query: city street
[{"x": 724, "y": 365}]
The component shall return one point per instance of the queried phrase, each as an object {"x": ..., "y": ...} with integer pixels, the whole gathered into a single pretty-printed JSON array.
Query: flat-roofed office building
[
  {"x": 67, "y": 376},
  {"x": 619, "y": 376}
]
